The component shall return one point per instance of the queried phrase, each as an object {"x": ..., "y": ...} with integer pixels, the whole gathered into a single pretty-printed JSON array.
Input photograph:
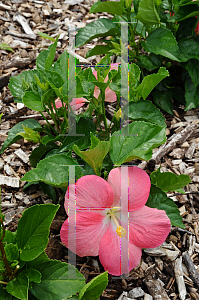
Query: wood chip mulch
[{"x": 170, "y": 271}]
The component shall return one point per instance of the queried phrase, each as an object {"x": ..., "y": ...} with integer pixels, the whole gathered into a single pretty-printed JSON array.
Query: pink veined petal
[
  {"x": 90, "y": 228},
  {"x": 139, "y": 186},
  {"x": 148, "y": 227},
  {"x": 91, "y": 191},
  {"x": 114, "y": 251}
]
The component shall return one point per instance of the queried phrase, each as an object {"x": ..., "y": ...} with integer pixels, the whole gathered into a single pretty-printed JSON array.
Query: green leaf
[
  {"x": 52, "y": 170},
  {"x": 169, "y": 182},
  {"x": 4, "y": 295},
  {"x": 46, "y": 36},
  {"x": 4, "y": 46},
  {"x": 162, "y": 41},
  {"x": 147, "y": 13},
  {"x": 33, "y": 101},
  {"x": 94, "y": 288},
  {"x": 150, "y": 81},
  {"x": 142, "y": 138},
  {"x": 98, "y": 50},
  {"x": 145, "y": 110},
  {"x": 185, "y": 12},
  {"x": 94, "y": 157},
  {"x": 94, "y": 141},
  {"x": 10, "y": 237},
  {"x": 12, "y": 134},
  {"x": 38, "y": 152},
  {"x": 56, "y": 282},
  {"x": 188, "y": 49},
  {"x": 163, "y": 99},
  {"x": 150, "y": 62},
  {"x": 32, "y": 274},
  {"x": 54, "y": 79},
  {"x": 17, "y": 87},
  {"x": 61, "y": 67},
  {"x": 12, "y": 252},
  {"x": 99, "y": 28},
  {"x": 18, "y": 287},
  {"x": 191, "y": 95},
  {"x": 111, "y": 7},
  {"x": 82, "y": 127},
  {"x": 46, "y": 57},
  {"x": 33, "y": 230},
  {"x": 192, "y": 66},
  {"x": 30, "y": 135},
  {"x": 38, "y": 260},
  {"x": 158, "y": 199}
]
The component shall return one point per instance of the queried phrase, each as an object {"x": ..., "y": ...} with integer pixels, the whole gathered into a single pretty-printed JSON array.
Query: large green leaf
[
  {"x": 12, "y": 134},
  {"x": 162, "y": 41},
  {"x": 169, "y": 182},
  {"x": 56, "y": 284},
  {"x": 98, "y": 50},
  {"x": 52, "y": 170},
  {"x": 94, "y": 157},
  {"x": 142, "y": 138},
  {"x": 99, "y": 28},
  {"x": 33, "y": 230},
  {"x": 158, "y": 199},
  {"x": 150, "y": 81},
  {"x": 147, "y": 12},
  {"x": 163, "y": 99},
  {"x": 185, "y": 12},
  {"x": 84, "y": 127},
  {"x": 38, "y": 152},
  {"x": 145, "y": 110},
  {"x": 111, "y": 7},
  {"x": 18, "y": 287},
  {"x": 33, "y": 101},
  {"x": 192, "y": 66},
  {"x": 191, "y": 95},
  {"x": 94, "y": 288},
  {"x": 46, "y": 57},
  {"x": 188, "y": 49}
]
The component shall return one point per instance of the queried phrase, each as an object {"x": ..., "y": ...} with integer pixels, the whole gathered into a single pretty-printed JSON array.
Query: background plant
[{"x": 161, "y": 33}]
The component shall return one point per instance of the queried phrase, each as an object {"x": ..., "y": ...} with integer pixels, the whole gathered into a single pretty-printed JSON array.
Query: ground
[{"x": 158, "y": 272}]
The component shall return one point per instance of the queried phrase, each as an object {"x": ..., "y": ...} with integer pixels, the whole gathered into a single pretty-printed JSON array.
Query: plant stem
[
  {"x": 103, "y": 110},
  {"x": 3, "y": 254},
  {"x": 48, "y": 123}
]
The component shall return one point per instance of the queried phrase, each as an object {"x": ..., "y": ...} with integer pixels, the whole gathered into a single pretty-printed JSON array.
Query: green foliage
[
  {"x": 38, "y": 277},
  {"x": 13, "y": 135},
  {"x": 158, "y": 199},
  {"x": 169, "y": 182},
  {"x": 111, "y": 7},
  {"x": 137, "y": 143}
]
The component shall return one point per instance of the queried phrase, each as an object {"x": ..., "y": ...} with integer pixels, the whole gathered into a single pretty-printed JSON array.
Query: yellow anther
[{"x": 121, "y": 231}]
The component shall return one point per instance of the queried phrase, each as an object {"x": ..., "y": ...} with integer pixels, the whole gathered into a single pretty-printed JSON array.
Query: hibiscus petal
[
  {"x": 90, "y": 228},
  {"x": 76, "y": 103},
  {"x": 138, "y": 186},
  {"x": 113, "y": 253},
  {"x": 148, "y": 227},
  {"x": 90, "y": 191},
  {"x": 110, "y": 96}
]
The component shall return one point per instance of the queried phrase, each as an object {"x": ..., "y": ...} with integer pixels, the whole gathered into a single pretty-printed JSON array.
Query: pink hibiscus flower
[{"x": 98, "y": 230}]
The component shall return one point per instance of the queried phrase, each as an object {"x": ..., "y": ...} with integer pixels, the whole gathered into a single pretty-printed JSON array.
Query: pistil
[{"x": 120, "y": 230}]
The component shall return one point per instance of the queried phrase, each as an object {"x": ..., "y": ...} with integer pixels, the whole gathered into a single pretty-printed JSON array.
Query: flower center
[{"x": 121, "y": 231}]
